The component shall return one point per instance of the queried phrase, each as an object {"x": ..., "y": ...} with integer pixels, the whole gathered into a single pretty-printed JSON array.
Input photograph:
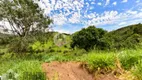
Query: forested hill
[
  {"x": 126, "y": 36},
  {"x": 131, "y": 29}
]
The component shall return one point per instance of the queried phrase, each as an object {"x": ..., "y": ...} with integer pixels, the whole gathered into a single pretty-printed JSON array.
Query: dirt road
[{"x": 70, "y": 71}]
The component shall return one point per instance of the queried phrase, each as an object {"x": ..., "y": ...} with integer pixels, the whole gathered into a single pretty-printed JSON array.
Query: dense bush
[
  {"x": 5, "y": 39},
  {"x": 19, "y": 45},
  {"x": 88, "y": 38}
]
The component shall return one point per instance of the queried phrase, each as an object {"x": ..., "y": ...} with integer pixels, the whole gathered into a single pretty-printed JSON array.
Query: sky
[{"x": 70, "y": 16}]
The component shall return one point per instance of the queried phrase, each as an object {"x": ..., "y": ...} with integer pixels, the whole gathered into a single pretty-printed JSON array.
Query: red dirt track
[{"x": 70, "y": 71}]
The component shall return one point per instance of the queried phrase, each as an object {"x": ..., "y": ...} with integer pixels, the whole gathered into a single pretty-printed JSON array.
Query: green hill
[{"x": 125, "y": 37}]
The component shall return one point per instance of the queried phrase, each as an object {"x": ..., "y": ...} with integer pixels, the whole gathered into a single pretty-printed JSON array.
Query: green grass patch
[
  {"x": 26, "y": 69},
  {"x": 99, "y": 60},
  {"x": 138, "y": 70}
]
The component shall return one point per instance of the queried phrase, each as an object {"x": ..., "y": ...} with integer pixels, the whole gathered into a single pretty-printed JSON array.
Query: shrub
[
  {"x": 79, "y": 52},
  {"x": 4, "y": 41},
  {"x": 87, "y": 38},
  {"x": 36, "y": 46},
  {"x": 19, "y": 45}
]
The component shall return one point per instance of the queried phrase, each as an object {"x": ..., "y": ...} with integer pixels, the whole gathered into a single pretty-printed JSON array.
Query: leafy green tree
[
  {"x": 24, "y": 16},
  {"x": 88, "y": 38}
]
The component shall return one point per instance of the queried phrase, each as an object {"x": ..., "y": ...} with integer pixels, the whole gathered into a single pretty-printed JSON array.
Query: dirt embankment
[{"x": 70, "y": 71}]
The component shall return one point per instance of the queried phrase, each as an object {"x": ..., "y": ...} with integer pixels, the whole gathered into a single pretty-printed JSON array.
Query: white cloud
[
  {"x": 131, "y": 12},
  {"x": 114, "y": 3},
  {"x": 91, "y": 15},
  {"x": 58, "y": 10},
  {"x": 93, "y": 2},
  {"x": 107, "y": 2},
  {"x": 99, "y": 3},
  {"x": 59, "y": 19},
  {"x": 137, "y": 1},
  {"x": 122, "y": 23},
  {"x": 63, "y": 31},
  {"x": 113, "y": 17},
  {"x": 73, "y": 8},
  {"x": 140, "y": 9},
  {"x": 138, "y": 15},
  {"x": 75, "y": 18},
  {"x": 107, "y": 17},
  {"x": 124, "y": 1}
]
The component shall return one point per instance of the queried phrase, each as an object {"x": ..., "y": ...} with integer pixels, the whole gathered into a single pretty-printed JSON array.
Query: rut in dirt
[{"x": 70, "y": 71}]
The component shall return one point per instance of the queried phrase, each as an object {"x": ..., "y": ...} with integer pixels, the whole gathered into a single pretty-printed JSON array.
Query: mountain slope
[{"x": 125, "y": 37}]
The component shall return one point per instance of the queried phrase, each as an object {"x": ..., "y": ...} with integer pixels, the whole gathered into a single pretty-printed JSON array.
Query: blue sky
[{"x": 72, "y": 15}]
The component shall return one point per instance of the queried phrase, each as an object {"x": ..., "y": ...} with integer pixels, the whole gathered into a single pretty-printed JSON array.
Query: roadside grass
[
  {"x": 130, "y": 60},
  {"x": 30, "y": 70},
  {"x": 100, "y": 60},
  {"x": 26, "y": 69},
  {"x": 138, "y": 70},
  {"x": 5, "y": 65}
]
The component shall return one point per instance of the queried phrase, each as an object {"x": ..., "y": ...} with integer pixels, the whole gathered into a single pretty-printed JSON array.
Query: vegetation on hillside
[
  {"x": 91, "y": 38},
  {"x": 126, "y": 37}
]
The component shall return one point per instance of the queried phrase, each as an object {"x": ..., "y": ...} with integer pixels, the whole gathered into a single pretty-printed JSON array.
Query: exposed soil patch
[
  {"x": 70, "y": 71},
  {"x": 106, "y": 77}
]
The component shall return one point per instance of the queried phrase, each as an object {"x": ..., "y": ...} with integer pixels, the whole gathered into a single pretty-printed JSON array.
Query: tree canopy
[
  {"x": 24, "y": 16},
  {"x": 88, "y": 38}
]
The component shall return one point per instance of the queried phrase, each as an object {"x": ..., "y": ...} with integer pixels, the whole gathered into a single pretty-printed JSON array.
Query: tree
[
  {"x": 87, "y": 38},
  {"x": 24, "y": 16}
]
